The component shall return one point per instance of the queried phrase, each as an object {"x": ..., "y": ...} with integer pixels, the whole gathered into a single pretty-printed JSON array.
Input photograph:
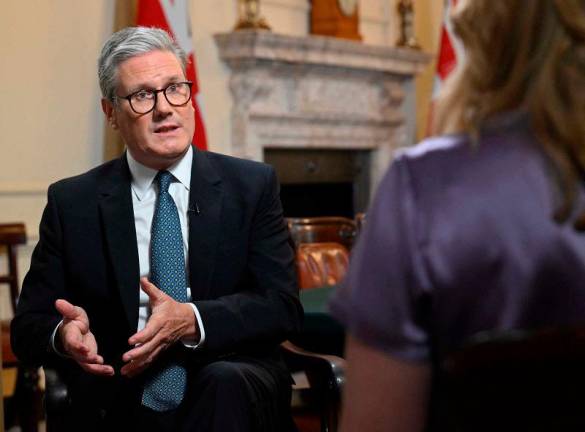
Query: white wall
[{"x": 50, "y": 120}]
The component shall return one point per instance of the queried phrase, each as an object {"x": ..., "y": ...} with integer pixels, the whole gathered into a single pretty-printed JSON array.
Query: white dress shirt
[{"x": 144, "y": 195}]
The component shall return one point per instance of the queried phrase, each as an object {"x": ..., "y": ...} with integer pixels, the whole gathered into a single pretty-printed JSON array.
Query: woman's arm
[{"x": 383, "y": 393}]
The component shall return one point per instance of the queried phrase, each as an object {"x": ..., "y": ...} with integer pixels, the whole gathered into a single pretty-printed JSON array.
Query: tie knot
[{"x": 164, "y": 179}]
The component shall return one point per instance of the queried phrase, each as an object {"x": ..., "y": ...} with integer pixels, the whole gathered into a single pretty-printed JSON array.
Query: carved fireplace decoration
[
  {"x": 249, "y": 16},
  {"x": 407, "y": 38},
  {"x": 318, "y": 92}
]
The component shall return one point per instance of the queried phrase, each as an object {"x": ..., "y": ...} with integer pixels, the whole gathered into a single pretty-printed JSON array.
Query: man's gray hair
[{"x": 131, "y": 42}]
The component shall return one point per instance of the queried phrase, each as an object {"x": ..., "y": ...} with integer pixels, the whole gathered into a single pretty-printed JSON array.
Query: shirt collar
[{"x": 143, "y": 176}]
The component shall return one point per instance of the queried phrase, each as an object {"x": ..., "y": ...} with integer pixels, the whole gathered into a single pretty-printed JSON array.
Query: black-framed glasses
[{"x": 143, "y": 101}]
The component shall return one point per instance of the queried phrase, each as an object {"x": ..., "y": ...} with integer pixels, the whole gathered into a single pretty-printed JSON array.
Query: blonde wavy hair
[{"x": 523, "y": 55}]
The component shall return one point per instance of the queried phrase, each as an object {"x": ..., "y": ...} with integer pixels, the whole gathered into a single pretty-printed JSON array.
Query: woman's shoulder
[
  {"x": 457, "y": 157},
  {"x": 434, "y": 146}
]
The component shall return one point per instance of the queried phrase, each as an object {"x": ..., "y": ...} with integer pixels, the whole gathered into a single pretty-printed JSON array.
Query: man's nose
[{"x": 162, "y": 107}]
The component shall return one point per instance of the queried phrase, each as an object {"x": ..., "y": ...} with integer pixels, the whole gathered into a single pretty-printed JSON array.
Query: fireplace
[
  {"x": 327, "y": 113},
  {"x": 321, "y": 182}
]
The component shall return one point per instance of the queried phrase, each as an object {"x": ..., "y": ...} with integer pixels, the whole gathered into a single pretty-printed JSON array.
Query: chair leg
[
  {"x": 330, "y": 408},
  {"x": 27, "y": 399}
]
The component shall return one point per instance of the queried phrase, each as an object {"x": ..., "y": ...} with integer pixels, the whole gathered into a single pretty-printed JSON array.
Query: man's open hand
[
  {"x": 169, "y": 322},
  {"x": 78, "y": 341}
]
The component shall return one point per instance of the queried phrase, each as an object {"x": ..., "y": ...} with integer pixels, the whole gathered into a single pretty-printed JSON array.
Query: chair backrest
[
  {"x": 11, "y": 235},
  {"x": 322, "y": 229},
  {"x": 518, "y": 381},
  {"x": 321, "y": 264}
]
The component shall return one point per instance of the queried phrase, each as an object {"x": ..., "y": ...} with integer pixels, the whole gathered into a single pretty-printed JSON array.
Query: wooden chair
[
  {"x": 11, "y": 235},
  {"x": 322, "y": 229},
  {"x": 310, "y": 353},
  {"x": 25, "y": 402},
  {"x": 322, "y": 257},
  {"x": 518, "y": 381},
  {"x": 326, "y": 377},
  {"x": 321, "y": 264}
]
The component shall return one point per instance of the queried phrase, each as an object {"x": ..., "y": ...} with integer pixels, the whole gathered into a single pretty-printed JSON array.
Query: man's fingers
[
  {"x": 143, "y": 350},
  {"x": 130, "y": 370},
  {"x": 75, "y": 347},
  {"x": 81, "y": 347},
  {"x": 153, "y": 293},
  {"x": 78, "y": 341},
  {"x": 97, "y": 369},
  {"x": 92, "y": 358},
  {"x": 146, "y": 334},
  {"x": 73, "y": 340},
  {"x": 82, "y": 354},
  {"x": 137, "y": 366},
  {"x": 143, "y": 336}
]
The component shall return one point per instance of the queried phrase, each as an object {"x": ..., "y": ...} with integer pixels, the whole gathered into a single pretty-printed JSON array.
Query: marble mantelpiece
[{"x": 318, "y": 92}]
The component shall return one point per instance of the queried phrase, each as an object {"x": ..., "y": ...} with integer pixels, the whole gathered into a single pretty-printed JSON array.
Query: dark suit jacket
[{"x": 241, "y": 270}]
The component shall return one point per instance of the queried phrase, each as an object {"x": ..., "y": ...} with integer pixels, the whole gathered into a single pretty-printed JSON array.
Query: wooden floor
[{"x": 307, "y": 422}]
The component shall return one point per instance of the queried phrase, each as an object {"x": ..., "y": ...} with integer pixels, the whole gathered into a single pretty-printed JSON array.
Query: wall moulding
[{"x": 17, "y": 188}]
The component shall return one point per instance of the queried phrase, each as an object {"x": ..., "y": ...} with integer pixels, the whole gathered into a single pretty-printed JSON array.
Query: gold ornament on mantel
[
  {"x": 407, "y": 38},
  {"x": 250, "y": 18}
]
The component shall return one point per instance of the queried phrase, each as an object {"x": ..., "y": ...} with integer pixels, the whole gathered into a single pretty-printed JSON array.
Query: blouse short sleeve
[{"x": 384, "y": 299}]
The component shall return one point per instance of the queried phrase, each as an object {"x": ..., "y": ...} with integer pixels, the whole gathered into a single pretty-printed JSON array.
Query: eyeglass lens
[{"x": 176, "y": 94}]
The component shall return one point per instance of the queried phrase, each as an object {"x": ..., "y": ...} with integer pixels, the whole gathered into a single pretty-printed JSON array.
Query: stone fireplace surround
[{"x": 317, "y": 92}]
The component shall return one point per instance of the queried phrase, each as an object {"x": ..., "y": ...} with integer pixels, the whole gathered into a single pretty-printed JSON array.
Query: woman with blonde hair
[{"x": 479, "y": 228}]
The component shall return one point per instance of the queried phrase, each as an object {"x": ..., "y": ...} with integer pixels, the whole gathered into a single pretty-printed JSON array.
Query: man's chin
[
  {"x": 172, "y": 146},
  {"x": 163, "y": 155}
]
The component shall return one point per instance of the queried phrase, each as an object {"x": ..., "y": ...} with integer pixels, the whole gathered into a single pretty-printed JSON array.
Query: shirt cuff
[
  {"x": 54, "y": 345},
  {"x": 192, "y": 343}
]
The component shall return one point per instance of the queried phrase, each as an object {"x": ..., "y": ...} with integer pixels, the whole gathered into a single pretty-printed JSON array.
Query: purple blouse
[{"x": 460, "y": 239}]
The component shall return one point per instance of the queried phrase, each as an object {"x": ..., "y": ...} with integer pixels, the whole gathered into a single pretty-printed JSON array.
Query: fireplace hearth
[{"x": 321, "y": 182}]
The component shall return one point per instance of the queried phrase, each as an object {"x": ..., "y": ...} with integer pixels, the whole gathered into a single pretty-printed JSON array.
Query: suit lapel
[
  {"x": 115, "y": 203},
  {"x": 205, "y": 202}
]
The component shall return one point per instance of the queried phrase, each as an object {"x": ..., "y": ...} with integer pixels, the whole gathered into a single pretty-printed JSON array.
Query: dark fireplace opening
[
  {"x": 319, "y": 182},
  {"x": 317, "y": 199}
]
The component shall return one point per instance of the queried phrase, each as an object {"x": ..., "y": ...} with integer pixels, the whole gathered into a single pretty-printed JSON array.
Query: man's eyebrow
[{"x": 144, "y": 86}]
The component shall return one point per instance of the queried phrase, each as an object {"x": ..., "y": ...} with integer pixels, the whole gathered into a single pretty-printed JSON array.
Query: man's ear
[{"x": 109, "y": 111}]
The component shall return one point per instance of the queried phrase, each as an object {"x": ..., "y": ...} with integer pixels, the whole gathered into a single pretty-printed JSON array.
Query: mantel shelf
[{"x": 318, "y": 50}]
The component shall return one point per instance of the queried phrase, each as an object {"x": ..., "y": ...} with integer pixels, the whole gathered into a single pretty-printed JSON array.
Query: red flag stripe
[
  {"x": 151, "y": 13},
  {"x": 447, "y": 53},
  {"x": 447, "y": 58}
]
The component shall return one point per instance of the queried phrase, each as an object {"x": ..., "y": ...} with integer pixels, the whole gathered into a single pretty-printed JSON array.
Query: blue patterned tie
[{"x": 165, "y": 389}]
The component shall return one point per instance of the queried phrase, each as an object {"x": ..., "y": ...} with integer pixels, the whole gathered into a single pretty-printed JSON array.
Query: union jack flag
[
  {"x": 450, "y": 51},
  {"x": 173, "y": 16}
]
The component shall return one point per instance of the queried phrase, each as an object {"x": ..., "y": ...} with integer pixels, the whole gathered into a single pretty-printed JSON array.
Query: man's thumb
[
  {"x": 153, "y": 293},
  {"x": 73, "y": 313},
  {"x": 67, "y": 309}
]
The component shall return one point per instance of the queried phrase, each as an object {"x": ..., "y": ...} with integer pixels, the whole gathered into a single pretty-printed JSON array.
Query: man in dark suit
[{"x": 163, "y": 282}]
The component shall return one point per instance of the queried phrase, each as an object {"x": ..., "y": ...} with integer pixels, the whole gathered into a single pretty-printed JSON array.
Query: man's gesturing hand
[
  {"x": 169, "y": 322},
  {"x": 78, "y": 341}
]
